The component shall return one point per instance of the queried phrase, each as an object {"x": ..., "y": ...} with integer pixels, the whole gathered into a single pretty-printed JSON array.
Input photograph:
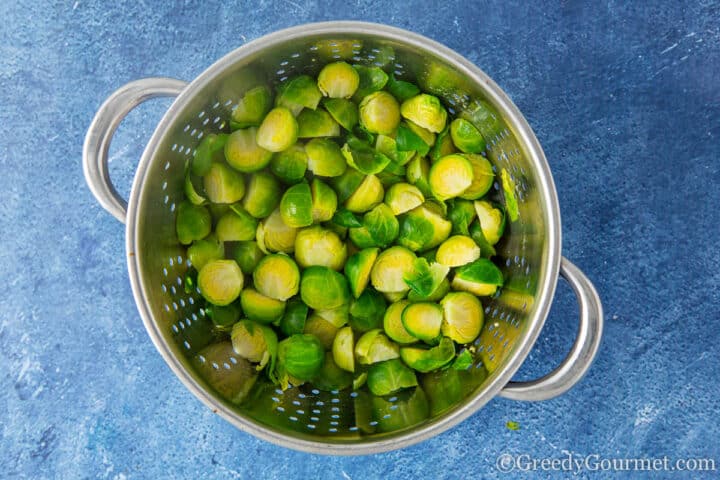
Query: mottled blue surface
[{"x": 625, "y": 99}]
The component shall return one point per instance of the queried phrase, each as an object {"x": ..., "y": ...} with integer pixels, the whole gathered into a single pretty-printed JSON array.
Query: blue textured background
[{"x": 625, "y": 100}]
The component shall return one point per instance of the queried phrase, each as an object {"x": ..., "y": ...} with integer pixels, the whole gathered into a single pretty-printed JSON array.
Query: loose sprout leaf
[
  {"x": 511, "y": 203},
  {"x": 512, "y": 425},
  {"x": 408, "y": 141},
  {"x": 251, "y": 109},
  {"x": 463, "y": 361},
  {"x": 345, "y": 218},
  {"x": 363, "y": 158},
  {"x": 191, "y": 190},
  {"x": 372, "y": 79},
  {"x": 345, "y": 112},
  {"x": 426, "y": 277},
  {"x": 299, "y": 92},
  {"x": 401, "y": 89},
  {"x": 461, "y": 214}
]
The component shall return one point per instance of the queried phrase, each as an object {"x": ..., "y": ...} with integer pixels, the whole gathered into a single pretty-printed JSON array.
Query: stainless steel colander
[{"x": 304, "y": 418}]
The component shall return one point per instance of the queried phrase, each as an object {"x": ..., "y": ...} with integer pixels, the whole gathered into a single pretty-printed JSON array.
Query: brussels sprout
[
  {"x": 366, "y": 312},
  {"x": 252, "y": 108},
  {"x": 423, "y": 321},
  {"x": 223, "y": 184},
  {"x": 372, "y": 79},
  {"x": 278, "y": 131},
  {"x": 450, "y": 176},
  {"x": 486, "y": 250},
  {"x": 363, "y": 158},
  {"x": 401, "y": 89},
  {"x": 484, "y": 117},
  {"x": 379, "y": 113},
  {"x": 483, "y": 177},
  {"x": 389, "y": 377},
  {"x": 392, "y": 297},
  {"x": 290, "y": 165},
  {"x": 457, "y": 250},
  {"x": 443, "y": 146},
  {"x": 480, "y": 277},
  {"x": 359, "y": 381},
  {"x": 443, "y": 388},
  {"x": 191, "y": 187},
  {"x": 389, "y": 147},
  {"x": 260, "y": 308},
  {"x": 338, "y": 80},
  {"x": 277, "y": 276},
  {"x": 293, "y": 321},
  {"x": 425, "y": 278},
  {"x": 236, "y": 226},
  {"x": 409, "y": 410},
  {"x": 296, "y": 206},
  {"x": 322, "y": 288},
  {"x": 426, "y": 111},
  {"x": 343, "y": 112},
  {"x": 337, "y": 316},
  {"x": 274, "y": 235},
  {"x": 358, "y": 268},
  {"x": 297, "y": 93},
  {"x": 511, "y": 203},
  {"x": 461, "y": 214},
  {"x": 339, "y": 230},
  {"x": 318, "y": 246},
  {"x": 347, "y": 184},
  {"x": 426, "y": 135},
  {"x": 220, "y": 281},
  {"x": 343, "y": 349},
  {"x": 321, "y": 329},
  {"x": 492, "y": 221},
  {"x": 223, "y": 317},
  {"x": 233, "y": 384},
  {"x": 393, "y": 173},
  {"x": 331, "y": 376},
  {"x": 368, "y": 195},
  {"x": 392, "y": 323},
  {"x": 408, "y": 141},
  {"x": 193, "y": 222},
  {"x": 247, "y": 255},
  {"x": 208, "y": 151},
  {"x": 324, "y": 201},
  {"x": 243, "y": 153},
  {"x": 403, "y": 197},
  {"x": 217, "y": 210},
  {"x": 463, "y": 361},
  {"x": 423, "y": 228},
  {"x": 380, "y": 228},
  {"x": 300, "y": 356},
  {"x": 325, "y": 158},
  {"x": 428, "y": 359},
  {"x": 205, "y": 250},
  {"x": 373, "y": 347},
  {"x": 462, "y": 316},
  {"x": 317, "y": 123},
  {"x": 417, "y": 173},
  {"x": 331, "y": 49},
  {"x": 346, "y": 219},
  {"x": 390, "y": 269},
  {"x": 434, "y": 296},
  {"x": 466, "y": 137}
]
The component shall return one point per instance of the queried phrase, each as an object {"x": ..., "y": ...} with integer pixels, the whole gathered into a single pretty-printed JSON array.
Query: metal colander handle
[{"x": 102, "y": 129}]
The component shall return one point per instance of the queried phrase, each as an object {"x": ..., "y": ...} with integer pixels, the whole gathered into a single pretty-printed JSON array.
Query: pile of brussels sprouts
[{"x": 340, "y": 233}]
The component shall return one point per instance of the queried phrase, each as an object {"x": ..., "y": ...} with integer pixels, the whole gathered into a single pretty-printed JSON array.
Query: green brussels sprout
[
  {"x": 425, "y": 277},
  {"x": 401, "y": 89},
  {"x": 443, "y": 388},
  {"x": 428, "y": 359},
  {"x": 481, "y": 277},
  {"x": 223, "y": 317},
  {"x": 403, "y": 197},
  {"x": 191, "y": 187},
  {"x": 343, "y": 112},
  {"x": 392, "y": 297},
  {"x": 298, "y": 93},
  {"x": 273, "y": 235},
  {"x": 390, "y": 268},
  {"x": 290, "y": 165},
  {"x": 457, "y": 250},
  {"x": 423, "y": 320},
  {"x": 277, "y": 276},
  {"x": 208, "y": 151},
  {"x": 443, "y": 146},
  {"x": 293, "y": 321},
  {"x": 423, "y": 228},
  {"x": 343, "y": 349},
  {"x": 373, "y": 347},
  {"x": 511, "y": 203},
  {"x": 278, "y": 131},
  {"x": 325, "y": 158},
  {"x": 344, "y": 218},
  {"x": 331, "y": 49},
  {"x": 193, "y": 222},
  {"x": 223, "y": 184},
  {"x": 331, "y": 376},
  {"x": 318, "y": 246},
  {"x": 363, "y": 158},
  {"x": 204, "y": 250},
  {"x": 337, "y": 316},
  {"x": 322, "y": 329},
  {"x": 461, "y": 214},
  {"x": 322, "y": 288},
  {"x": 417, "y": 173},
  {"x": 300, "y": 356},
  {"x": 392, "y": 323},
  {"x": 389, "y": 377},
  {"x": 338, "y": 80},
  {"x": 379, "y": 113},
  {"x": 243, "y": 153},
  {"x": 255, "y": 342},
  {"x": 252, "y": 108},
  {"x": 463, "y": 316},
  {"x": 379, "y": 228},
  {"x": 324, "y": 201},
  {"x": 296, "y": 206},
  {"x": 339, "y": 230},
  {"x": 234, "y": 383},
  {"x": 317, "y": 123},
  {"x": 247, "y": 255},
  {"x": 366, "y": 312},
  {"x": 236, "y": 226},
  {"x": 358, "y": 268},
  {"x": 407, "y": 140},
  {"x": 484, "y": 117},
  {"x": 389, "y": 147},
  {"x": 434, "y": 296},
  {"x": 492, "y": 221},
  {"x": 466, "y": 137},
  {"x": 368, "y": 195},
  {"x": 425, "y": 135},
  {"x": 486, "y": 250},
  {"x": 346, "y": 184},
  {"x": 372, "y": 79},
  {"x": 426, "y": 111},
  {"x": 483, "y": 177},
  {"x": 220, "y": 281},
  {"x": 450, "y": 176},
  {"x": 463, "y": 360},
  {"x": 217, "y": 210},
  {"x": 260, "y": 308}
]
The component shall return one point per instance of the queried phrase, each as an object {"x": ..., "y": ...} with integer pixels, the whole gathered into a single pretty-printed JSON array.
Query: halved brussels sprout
[
  {"x": 358, "y": 268},
  {"x": 193, "y": 222},
  {"x": 343, "y": 112},
  {"x": 373, "y": 347},
  {"x": 344, "y": 218},
  {"x": 317, "y": 123},
  {"x": 443, "y": 388},
  {"x": 347, "y": 183},
  {"x": 423, "y": 228},
  {"x": 423, "y": 320},
  {"x": 223, "y": 317},
  {"x": 274, "y": 235},
  {"x": 480, "y": 277},
  {"x": 324, "y": 201},
  {"x": 260, "y": 308},
  {"x": 223, "y": 184},
  {"x": 425, "y": 277},
  {"x": 426, "y": 111},
  {"x": 372, "y": 79},
  {"x": 262, "y": 195},
  {"x": 466, "y": 137},
  {"x": 457, "y": 250},
  {"x": 290, "y": 165},
  {"x": 362, "y": 157},
  {"x": 379, "y": 228},
  {"x": 366, "y": 312},
  {"x": 338, "y": 80},
  {"x": 236, "y": 226},
  {"x": 220, "y": 281},
  {"x": 492, "y": 221},
  {"x": 403, "y": 197},
  {"x": 450, "y": 176},
  {"x": 511, "y": 203},
  {"x": 318, "y": 246},
  {"x": 462, "y": 316},
  {"x": 443, "y": 146},
  {"x": 390, "y": 269},
  {"x": 368, "y": 195},
  {"x": 392, "y": 323},
  {"x": 343, "y": 349},
  {"x": 434, "y": 296},
  {"x": 325, "y": 158},
  {"x": 208, "y": 151},
  {"x": 322, "y": 288},
  {"x": 205, "y": 250},
  {"x": 483, "y": 177},
  {"x": 278, "y": 131},
  {"x": 331, "y": 376},
  {"x": 243, "y": 153},
  {"x": 389, "y": 147},
  {"x": 461, "y": 214},
  {"x": 298, "y": 92},
  {"x": 426, "y": 135},
  {"x": 401, "y": 89},
  {"x": 233, "y": 384},
  {"x": 379, "y": 113},
  {"x": 252, "y": 108},
  {"x": 322, "y": 329},
  {"x": 389, "y": 377},
  {"x": 296, "y": 313},
  {"x": 428, "y": 359},
  {"x": 300, "y": 356},
  {"x": 277, "y": 276},
  {"x": 247, "y": 255},
  {"x": 486, "y": 250},
  {"x": 337, "y": 316},
  {"x": 408, "y": 141},
  {"x": 296, "y": 206},
  {"x": 417, "y": 173}
]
